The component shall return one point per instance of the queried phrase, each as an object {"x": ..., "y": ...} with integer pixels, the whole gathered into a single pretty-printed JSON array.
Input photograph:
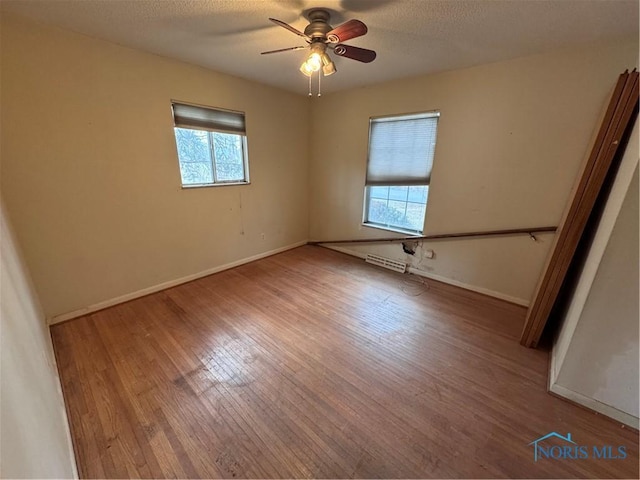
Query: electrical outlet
[
  {"x": 429, "y": 254},
  {"x": 262, "y": 236}
]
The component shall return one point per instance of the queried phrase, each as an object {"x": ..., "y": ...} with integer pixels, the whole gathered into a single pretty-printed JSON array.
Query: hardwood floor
[{"x": 312, "y": 363}]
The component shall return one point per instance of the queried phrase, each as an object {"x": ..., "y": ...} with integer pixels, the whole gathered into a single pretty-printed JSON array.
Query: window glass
[{"x": 211, "y": 145}]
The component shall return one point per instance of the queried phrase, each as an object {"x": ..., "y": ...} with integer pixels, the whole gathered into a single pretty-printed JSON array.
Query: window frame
[
  {"x": 367, "y": 188},
  {"x": 244, "y": 146}
]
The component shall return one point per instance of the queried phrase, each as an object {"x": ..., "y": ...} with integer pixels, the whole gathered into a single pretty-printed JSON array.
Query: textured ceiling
[{"x": 411, "y": 37}]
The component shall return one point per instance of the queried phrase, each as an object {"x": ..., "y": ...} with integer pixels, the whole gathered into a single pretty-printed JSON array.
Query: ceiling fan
[{"x": 321, "y": 36}]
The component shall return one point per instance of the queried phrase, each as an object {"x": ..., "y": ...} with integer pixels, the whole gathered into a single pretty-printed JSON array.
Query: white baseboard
[
  {"x": 449, "y": 281},
  {"x": 63, "y": 408},
  {"x": 347, "y": 251},
  {"x": 473, "y": 288},
  {"x": 163, "y": 286},
  {"x": 595, "y": 405}
]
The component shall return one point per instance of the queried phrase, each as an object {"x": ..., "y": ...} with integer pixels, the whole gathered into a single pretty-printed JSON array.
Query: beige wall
[
  {"x": 511, "y": 138},
  {"x": 602, "y": 359},
  {"x": 91, "y": 177},
  {"x": 34, "y": 436},
  {"x": 90, "y": 174},
  {"x": 594, "y": 360}
]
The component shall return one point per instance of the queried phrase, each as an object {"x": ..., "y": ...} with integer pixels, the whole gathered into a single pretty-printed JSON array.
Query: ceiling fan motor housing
[
  {"x": 319, "y": 34},
  {"x": 319, "y": 26}
]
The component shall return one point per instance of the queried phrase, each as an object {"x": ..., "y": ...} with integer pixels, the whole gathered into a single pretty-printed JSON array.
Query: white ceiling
[{"x": 411, "y": 37}]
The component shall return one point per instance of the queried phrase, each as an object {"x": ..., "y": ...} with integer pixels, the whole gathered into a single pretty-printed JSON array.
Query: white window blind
[
  {"x": 401, "y": 149},
  {"x": 202, "y": 118}
]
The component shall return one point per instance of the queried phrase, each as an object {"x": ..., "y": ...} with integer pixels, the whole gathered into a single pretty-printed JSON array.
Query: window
[
  {"x": 212, "y": 145},
  {"x": 401, "y": 150}
]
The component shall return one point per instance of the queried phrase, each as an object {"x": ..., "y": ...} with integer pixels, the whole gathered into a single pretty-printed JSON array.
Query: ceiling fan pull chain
[
  {"x": 310, "y": 94},
  {"x": 319, "y": 77}
]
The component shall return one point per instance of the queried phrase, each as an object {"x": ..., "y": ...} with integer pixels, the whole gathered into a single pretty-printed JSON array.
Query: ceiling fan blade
[
  {"x": 348, "y": 30},
  {"x": 355, "y": 53},
  {"x": 283, "y": 50},
  {"x": 288, "y": 27}
]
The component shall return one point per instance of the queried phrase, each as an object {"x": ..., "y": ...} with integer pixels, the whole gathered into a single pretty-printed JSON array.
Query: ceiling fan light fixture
[
  {"x": 328, "y": 67},
  {"x": 314, "y": 61},
  {"x": 306, "y": 69}
]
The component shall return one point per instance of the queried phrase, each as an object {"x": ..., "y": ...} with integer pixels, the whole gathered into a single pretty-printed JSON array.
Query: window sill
[
  {"x": 207, "y": 185},
  {"x": 392, "y": 229}
]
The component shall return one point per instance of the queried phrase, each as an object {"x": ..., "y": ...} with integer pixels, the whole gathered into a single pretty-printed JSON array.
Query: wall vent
[{"x": 394, "y": 265}]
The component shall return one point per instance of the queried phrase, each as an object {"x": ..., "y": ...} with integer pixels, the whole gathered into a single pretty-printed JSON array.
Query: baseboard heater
[{"x": 387, "y": 263}]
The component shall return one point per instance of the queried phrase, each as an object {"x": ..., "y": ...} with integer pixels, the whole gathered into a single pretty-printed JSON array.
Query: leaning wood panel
[{"x": 622, "y": 109}]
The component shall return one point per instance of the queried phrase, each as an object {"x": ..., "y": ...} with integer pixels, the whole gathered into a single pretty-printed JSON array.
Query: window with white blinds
[
  {"x": 401, "y": 152},
  {"x": 211, "y": 144}
]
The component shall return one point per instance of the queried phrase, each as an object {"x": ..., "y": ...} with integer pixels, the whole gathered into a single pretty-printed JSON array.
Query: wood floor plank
[
  {"x": 343, "y": 388},
  {"x": 313, "y": 364}
]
